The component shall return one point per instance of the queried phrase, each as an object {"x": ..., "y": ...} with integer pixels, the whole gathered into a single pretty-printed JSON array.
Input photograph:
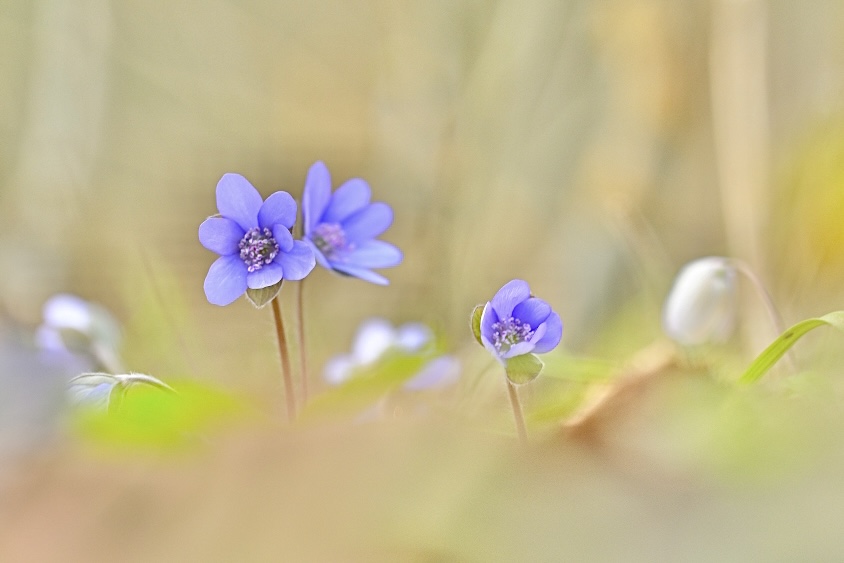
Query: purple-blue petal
[
  {"x": 513, "y": 293},
  {"x": 316, "y": 195},
  {"x": 320, "y": 258},
  {"x": 488, "y": 318},
  {"x": 553, "y": 335},
  {"x": 268, "y": 275},
  {"x": 349, "y": 198},
  {"x": 368, "y": 223},
  {"x": 279, "y": 209},
  {"x": 437, "y": 373},
  {"x": 533, "y": 311},
  {"x": 298, "y": 262},
  {"x": 226, "y": 280},
  {"x": 375, "y": 254},
  {"x": 238, "y": 200},
  {"x": 360, "y": 273},
  {"x": 220, "y": 235},
  {"x": 283, "y": 237}
]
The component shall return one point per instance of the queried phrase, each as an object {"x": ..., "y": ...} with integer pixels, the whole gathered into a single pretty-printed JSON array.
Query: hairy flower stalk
[{"x": 284, "y": 354}]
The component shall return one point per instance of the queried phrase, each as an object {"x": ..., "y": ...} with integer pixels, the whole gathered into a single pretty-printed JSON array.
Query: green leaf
[
  {"x": 475, "y": 321},
  {"x": 260, "y": 297},
  {"x": 785, "y": 341},
  {"x": 523, "y": 369},
  {"x": 148, "y": 418}
]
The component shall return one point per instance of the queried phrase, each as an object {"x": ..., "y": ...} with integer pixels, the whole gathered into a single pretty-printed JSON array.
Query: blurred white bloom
[
  {"x": 77, "y": 332},
  {"x": 701, "y": 307},
  {"x": 375, "y": 337},
  {"x": 439, "y": 372},
  {"x": 96, "y": 390}
]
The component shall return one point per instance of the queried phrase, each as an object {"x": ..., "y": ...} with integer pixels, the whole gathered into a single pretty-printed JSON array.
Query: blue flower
[
  {"x": 376, "y": 337},
  {"x": 515, "y": 323},
  {"x": 253, "y": 239},
  {"x": 79, "y": 334},
  {"x": 341, "y": 227}
]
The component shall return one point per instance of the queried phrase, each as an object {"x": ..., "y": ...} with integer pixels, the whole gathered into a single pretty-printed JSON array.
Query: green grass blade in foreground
[{"x": 786, "y": 340}]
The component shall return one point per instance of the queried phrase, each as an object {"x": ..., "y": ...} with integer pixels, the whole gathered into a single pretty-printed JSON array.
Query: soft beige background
[{"x": 589, "y": 147}]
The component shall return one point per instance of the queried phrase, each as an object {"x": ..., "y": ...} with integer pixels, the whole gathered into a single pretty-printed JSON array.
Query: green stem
[
  {"x": 284, "y": 353},
  {"x": 773, "y": 314},
  {"x": 517, "y": 411}
]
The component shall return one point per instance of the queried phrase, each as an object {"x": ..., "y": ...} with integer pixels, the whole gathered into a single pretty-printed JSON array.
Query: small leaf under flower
[
  {"x": 260, "y": 297},
  {"x": 523, "y": 369}
]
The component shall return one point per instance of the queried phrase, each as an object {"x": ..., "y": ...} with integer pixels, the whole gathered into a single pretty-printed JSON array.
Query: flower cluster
[{"x": 254, "y": 237}]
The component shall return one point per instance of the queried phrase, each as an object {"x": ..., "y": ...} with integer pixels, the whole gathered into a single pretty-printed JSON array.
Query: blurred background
[{"x": 591, "y": 147}]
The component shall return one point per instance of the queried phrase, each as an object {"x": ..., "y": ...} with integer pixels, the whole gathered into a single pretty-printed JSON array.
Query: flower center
[
  {"x": 509, "y": 332},
  {"x": 330, "y": 239},
  {"x": 257, "y": 248}
]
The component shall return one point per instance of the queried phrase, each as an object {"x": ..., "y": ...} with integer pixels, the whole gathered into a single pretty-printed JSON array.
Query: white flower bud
[{"x": 701, "y": 307}]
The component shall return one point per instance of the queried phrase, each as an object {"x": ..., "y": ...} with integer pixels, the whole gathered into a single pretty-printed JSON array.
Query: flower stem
[
  {"x": 284, "y": 353},
  {"x": 767, "y": 300},
  {"x": 517, "y": 411},
  {"x": 303, "y": 356}
]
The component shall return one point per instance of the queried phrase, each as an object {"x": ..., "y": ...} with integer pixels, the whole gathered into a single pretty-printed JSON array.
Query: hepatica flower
[
  {"x": 78, "y": 334},
  {"x": 253, "y": 239},
  {"x": 701, "y": 307},
  {"x": 341, "y": 227},
  {"x": 376, "y": 337},
  {"x": 513, "y": 326}
]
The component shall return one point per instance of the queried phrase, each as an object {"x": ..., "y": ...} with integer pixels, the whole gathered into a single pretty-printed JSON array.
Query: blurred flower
[
  {"x": 78, "y": 334},
  {"x": 375, "y": 337},
  {"x": 701, "y": 307},
  {"x": 101, "y": 391},
  {"x": 253, "y": 239},
  {"x": 341, "y": 228},
  {"x": 515, "y": 323}
]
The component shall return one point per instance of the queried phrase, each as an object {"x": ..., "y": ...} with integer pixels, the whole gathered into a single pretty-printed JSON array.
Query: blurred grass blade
[{"x": 785, "y": 341}]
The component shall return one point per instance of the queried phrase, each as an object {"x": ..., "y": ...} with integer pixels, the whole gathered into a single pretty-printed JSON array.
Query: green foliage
[
  {"x": 260, "y": 297},
  {"x": 785, "y": 341},
  {"x": 559, "y": 365},
  {"x": 523, "y": 369},
  {"x": 475, "y": 321},
  {"x": 147, "y": 417}
]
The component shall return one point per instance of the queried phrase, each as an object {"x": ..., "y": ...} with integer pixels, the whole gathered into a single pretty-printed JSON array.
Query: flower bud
[{"x": 701, "y": 307}]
